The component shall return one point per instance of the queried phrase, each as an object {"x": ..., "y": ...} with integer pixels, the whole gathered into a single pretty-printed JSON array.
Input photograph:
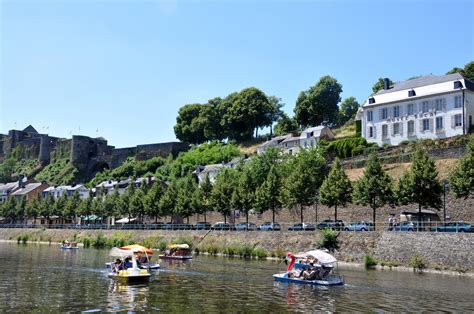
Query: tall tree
[
  {"x": 189, "y": 128},
  {"x": 276, "y": 112},
  {"x": 379, "y": 85},
  {"x": 285, "y": 125},
  {"x": 186, "y": 202},
  {"x": 269, "y": 194},
  {"x": 348, "y": 110},
  {"x": 223, "y": 192},
  {"x": 244, "y": 198},
  {"x": 250, "y": 110},
  {"x": 168, "y": 200},
  {"x": 206, "y": 188},
  {"x": 307, "y": 174},
  {"x": 47, "y": 208},
  {"x": 318, "y": 104},
  {"x": 71, "y": 207},
  {"x": 375, "y": 188},
  {"x": 462, "y": 177},
  {"x": 152, "y": 200},
  {"x": 337, "y": 188},
  {"x": 420, "y": 185},
  {"x": 32, "y": 208},
  {"x": 467, "y": 71},
  {"x": 21, "y": 209}
]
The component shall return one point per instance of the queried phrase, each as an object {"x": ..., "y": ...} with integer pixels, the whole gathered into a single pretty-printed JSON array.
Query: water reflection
[{"x": 127, "y": 297}]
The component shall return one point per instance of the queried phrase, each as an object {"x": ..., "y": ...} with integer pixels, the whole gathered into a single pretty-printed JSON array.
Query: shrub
[
  {"x": 162, "y": 245},
  {"x": 369, "y": 261},
  {"x": 86, "y": 242},
  {"x": 230, "y": 251},
  {"x": 212, "y": 249},
  {"x": 329, "y": 240},
  {"x": 245, "y": 251},
  {"x": 197, "y": 251},
  {"x": 418, "y": 262},
  {"x": 260, "y": 252},
  {"x": 100, "y": 241},
  {"x": 280, "y": 253}
]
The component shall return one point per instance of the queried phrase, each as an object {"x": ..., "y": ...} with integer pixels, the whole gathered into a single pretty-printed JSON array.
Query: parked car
[
  {"x": 405, "y": 226},
  {"x": 269, "y": 226},
  {"x": 302, "y": 227},
  {"x": 360, "y": 226},
  {"x": 454, "y": 227},
  {"x": 203, "y": 226},
  {"x": 158, "y": 225},
  {"x": 331, "y": 224},
  {"x": 243, "y": 226},
  {"x": 222, "y": 226}
]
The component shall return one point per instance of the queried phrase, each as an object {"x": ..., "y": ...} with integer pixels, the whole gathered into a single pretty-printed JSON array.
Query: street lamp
[{"x": 445, "y": 187}]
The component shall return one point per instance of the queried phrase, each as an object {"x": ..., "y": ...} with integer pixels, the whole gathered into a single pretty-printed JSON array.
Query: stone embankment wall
[{"x": 441, "y": 250}]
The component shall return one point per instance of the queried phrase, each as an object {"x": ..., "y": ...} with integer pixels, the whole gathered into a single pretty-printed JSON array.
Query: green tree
[
  {"x": 379, "y": 85},
  {"x": 420, "y": 185},
  {"x": 375, "y": 188},
  {"x": 60, "y": 205},
  {"x": 268, "y": 195},
  {"x": 189, "y": 128},
  {"x": 186, "y": 202},
  {"x": 72, "y": 206},
  {"x": 467, "y": 71},
  {"x": 318, "y": 104},
  {"x": 206, "y": 188},
  {"x": 348, "y": 110},
  {"x": 244, "y": 196},
  {"x": 336, "y": 189},
  {"x": 20, "y": 209},
  {"x": 168, "y": 200},
  {"x": 285, "y": 125},
  {"x": 152, "y": 200},
  {"x": 307, "y": 174},
  {"x": 462, "y": 177},
  {"x": 32, "y": 208},
  {"x": 250, "y": 110},
  {"x": 9, "y": 209},
  {"x": 276, "y": 112},
  {"x": 223, "y": 192},
  {"x": 48, "y": 207}
]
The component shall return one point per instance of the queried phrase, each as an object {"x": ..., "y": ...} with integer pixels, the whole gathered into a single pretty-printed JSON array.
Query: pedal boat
[
  {"x": 131, "y": 274},
  {"x": 144, "y": 254},
  {"x": 177, "y": 252},
  {"x": 69, "y": 246}
]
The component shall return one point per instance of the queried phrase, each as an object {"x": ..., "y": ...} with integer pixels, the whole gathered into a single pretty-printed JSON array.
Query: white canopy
[
  {"x": 118, "y": 252},
  {"x": 125, "y": 220},
  {"x": 321, "y": 256}
]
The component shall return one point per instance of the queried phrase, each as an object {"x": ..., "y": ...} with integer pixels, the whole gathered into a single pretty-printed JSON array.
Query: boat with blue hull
[
  {"x": 316, "y": 267},
  {"x": 69, "y": 246}
]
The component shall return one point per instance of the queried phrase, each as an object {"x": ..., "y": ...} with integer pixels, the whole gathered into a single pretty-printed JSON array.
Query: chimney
[
  {"x": 386, "y": 83},
  {"x": 21, "y": 183}
]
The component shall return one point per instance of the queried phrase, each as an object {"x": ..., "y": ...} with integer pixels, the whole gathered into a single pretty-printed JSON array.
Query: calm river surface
[{"x": 41, "y": 278}]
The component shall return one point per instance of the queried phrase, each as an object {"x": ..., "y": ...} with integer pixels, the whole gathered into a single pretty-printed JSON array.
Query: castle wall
[{"x": 162, "y": 149}]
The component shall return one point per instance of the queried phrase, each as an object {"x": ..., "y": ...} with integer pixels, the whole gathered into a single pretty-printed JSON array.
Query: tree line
[{"x": 268, "y": 182}]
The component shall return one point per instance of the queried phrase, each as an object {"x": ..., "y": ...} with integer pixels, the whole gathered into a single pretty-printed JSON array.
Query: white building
[
  {"x": 310, "y": 137},
  {"x": 274, "y": 142},
  {"x": 69, "y": 190},
  {"x": 427, "y": 107}
]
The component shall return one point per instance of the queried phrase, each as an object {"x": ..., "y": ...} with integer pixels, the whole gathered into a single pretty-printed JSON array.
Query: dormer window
[
  {"x": 458, "y": 84},
  {"x": 371, "y": 100},
  {"x": 411, "y": 93}
]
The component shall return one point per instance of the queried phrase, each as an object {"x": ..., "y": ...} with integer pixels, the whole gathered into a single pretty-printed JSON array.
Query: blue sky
[{"x": 125, "y": 67}]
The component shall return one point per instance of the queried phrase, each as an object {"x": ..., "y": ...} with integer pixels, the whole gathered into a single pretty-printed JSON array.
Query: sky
[{"x": 121, "y": 69}]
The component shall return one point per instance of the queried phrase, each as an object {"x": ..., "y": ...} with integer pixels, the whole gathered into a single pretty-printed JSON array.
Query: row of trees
[{"x": 269, "y": 182}]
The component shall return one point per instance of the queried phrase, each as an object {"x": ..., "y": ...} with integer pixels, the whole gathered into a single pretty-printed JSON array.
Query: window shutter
[
  {"x": 431, "y": 124},
  {"x": 421, "y": 125},
  {"x": 420, "y": 107},
  {"x": 391, "y": 129},
  {"x": 400, "y": 111},
  {"x": 444, "y": 104},
  {"x": 380, "y": 114},
  {"x": 401, "y": 128},
  {"x": 375, "y": 132},
  {"x": 452, "y": 122}
]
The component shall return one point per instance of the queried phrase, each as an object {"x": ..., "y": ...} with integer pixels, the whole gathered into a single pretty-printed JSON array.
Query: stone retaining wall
[{"x": 441, "y": 250}]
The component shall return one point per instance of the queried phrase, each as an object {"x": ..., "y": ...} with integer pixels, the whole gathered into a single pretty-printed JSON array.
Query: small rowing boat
[{"x": 177, "y": 252}]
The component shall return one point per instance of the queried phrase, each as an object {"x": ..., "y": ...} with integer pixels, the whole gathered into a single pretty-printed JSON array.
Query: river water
[{"x": 42, "y": 278}]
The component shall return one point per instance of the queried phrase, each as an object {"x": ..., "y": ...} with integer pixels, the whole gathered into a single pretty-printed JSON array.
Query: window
[
  {"x": 439, "y": 123},
  {"x": 426, "y": 124},
  {"x": 384, "y": 131},
  {"x": 396, "y": 111},
  {"x": 369, "y": 116},
  {"x": 410, "y": 109},
  {"x": 425, "y": 106},
  {"x": 371, "y": 132},
  {"x": 439, "y": 104},
  {"x": 411, "y": 127},
  {"x": 396, "y": 128},
  {"x": 384, "y": 113},
  {"x": 457, "y": 120},
  {"x": 457, "y": 102}
]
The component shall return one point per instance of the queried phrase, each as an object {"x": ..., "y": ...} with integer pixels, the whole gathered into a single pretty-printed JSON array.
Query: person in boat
[
  {"x": 128, "y": 262},
  {"x": 118, "y": 266}
]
